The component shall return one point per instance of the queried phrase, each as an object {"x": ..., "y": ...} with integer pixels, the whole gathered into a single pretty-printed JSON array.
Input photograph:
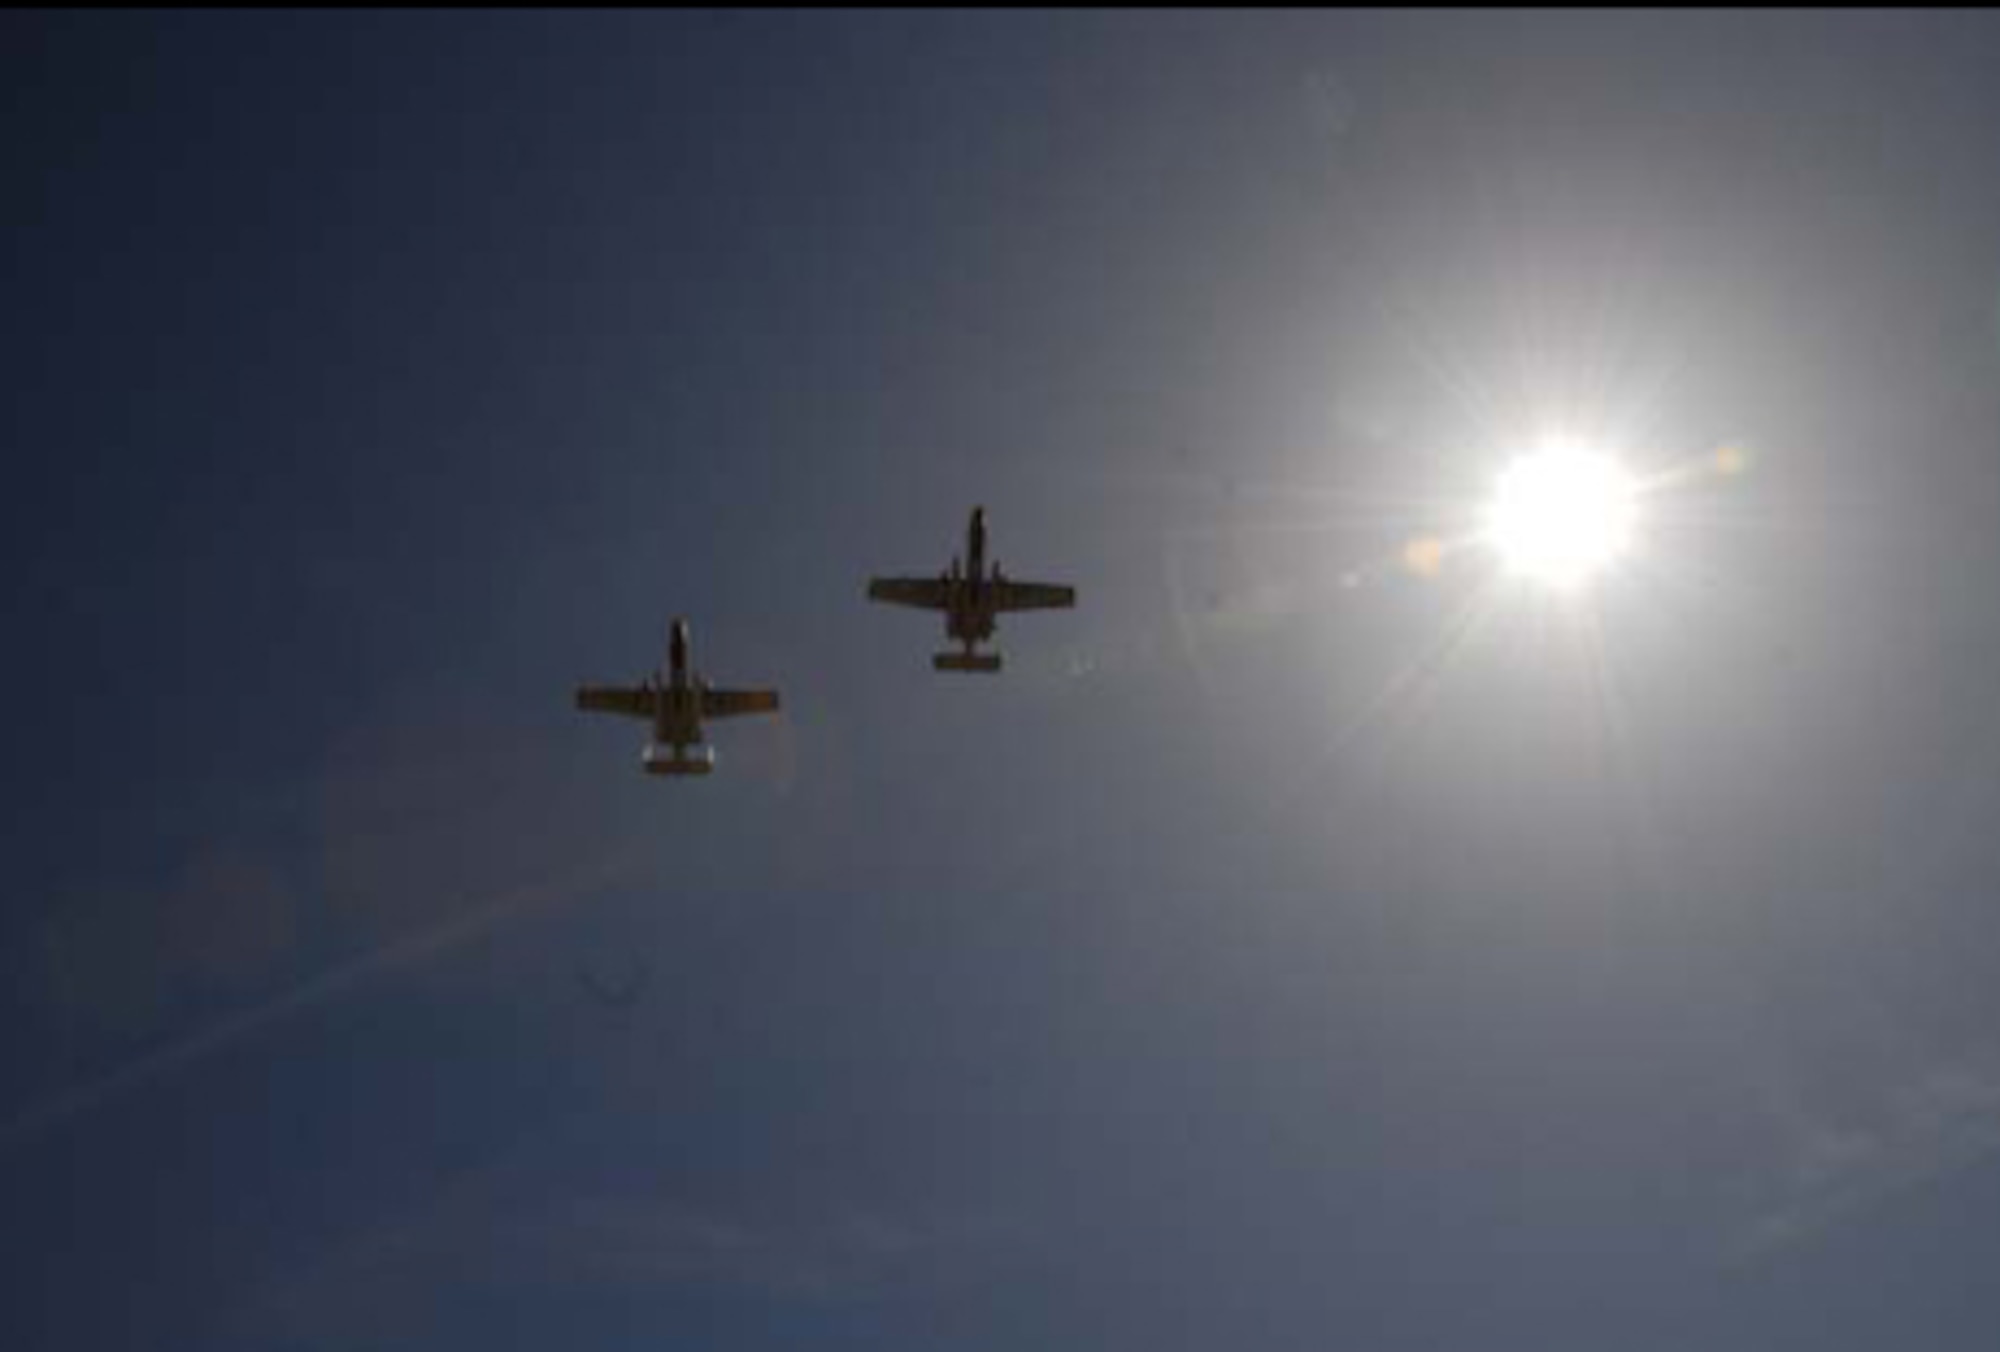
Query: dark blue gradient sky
[{"x": 1290, "y": 950}]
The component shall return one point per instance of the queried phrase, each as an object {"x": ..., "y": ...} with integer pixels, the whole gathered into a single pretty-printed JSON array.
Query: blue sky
[{"x": 1271, "y": 957}]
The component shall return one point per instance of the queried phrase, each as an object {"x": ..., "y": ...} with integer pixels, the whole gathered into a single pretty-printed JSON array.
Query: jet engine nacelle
[
  {"x": 966, "y": 661},
  {"x": 662, "y": 760}
]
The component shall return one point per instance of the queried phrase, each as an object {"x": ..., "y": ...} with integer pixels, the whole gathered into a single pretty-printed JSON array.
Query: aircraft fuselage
[
  {"x": 677, "y": 707},
  {"x": 969, "y": 618}
]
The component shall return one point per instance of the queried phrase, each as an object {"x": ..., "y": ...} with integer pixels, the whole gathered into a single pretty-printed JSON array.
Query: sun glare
[{"x": 1560, "y": 516}]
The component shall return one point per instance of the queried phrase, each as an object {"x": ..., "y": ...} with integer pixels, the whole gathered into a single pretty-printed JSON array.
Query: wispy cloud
[
  {"x": 1925, "y": 1129},
  {"x": 396, "y": 1279},
  {"x": 411, "y": 864},
  {"x": 473, "y": 920},
  {"x": 619, "y": 1241}
]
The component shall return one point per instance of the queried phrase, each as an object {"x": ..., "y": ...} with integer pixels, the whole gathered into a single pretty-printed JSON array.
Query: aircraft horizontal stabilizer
[
  {"x": 661, "y": 760},
  {"x": 966, "y": 661}
]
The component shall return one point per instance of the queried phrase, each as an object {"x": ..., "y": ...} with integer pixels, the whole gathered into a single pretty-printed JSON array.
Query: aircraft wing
[
  {"x": 926, "y": 593},
  {"x": 727, "y": 703},
  {"x": 615, "y": 699},
  {"x": 1032, "y": 596}
]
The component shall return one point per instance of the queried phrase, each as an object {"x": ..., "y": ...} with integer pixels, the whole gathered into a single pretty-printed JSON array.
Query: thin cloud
[
  {"x": 473, "y": 921},
  {"x": 499, "y": 1236},
  {"x": 1929, "y": 1128}
]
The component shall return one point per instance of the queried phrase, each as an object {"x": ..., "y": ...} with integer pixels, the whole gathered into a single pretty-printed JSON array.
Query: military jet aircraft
[
  {"x": 970, "y": 598},
  {"x": 676, "y": 702}
]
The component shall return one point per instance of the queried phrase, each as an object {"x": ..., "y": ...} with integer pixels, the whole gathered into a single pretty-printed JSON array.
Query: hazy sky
[{"x": 1289, "y": 950}]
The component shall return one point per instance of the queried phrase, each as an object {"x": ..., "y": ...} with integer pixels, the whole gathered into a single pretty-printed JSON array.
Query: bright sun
[{"x": 1560, "y": 516}]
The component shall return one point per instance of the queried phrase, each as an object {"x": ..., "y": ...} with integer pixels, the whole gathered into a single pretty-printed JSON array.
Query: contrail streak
[{"x": 66, "y": 1105}]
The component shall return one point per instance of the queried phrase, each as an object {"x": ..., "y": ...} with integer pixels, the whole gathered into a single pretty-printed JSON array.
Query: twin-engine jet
[
  {"x": 970, "y": 597},
  {"x": 675, "y": 702}
]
